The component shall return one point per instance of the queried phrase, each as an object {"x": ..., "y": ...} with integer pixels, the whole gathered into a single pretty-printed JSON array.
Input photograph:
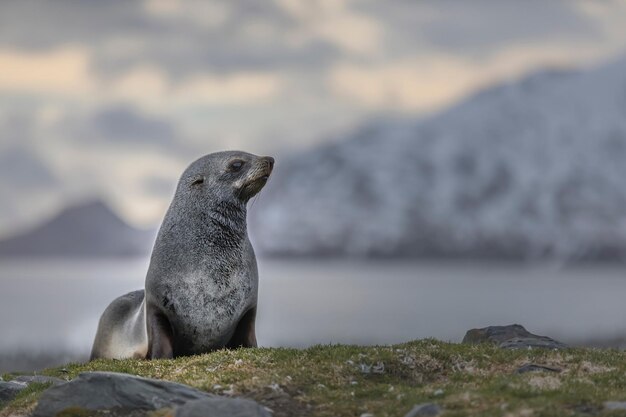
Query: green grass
[{"x": 466, "y": 380}]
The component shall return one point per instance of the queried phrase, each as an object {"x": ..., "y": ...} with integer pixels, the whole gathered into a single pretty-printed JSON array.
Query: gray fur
[
  {"x": 122, "y": 329},
  {"x": 202, "y": 283}
]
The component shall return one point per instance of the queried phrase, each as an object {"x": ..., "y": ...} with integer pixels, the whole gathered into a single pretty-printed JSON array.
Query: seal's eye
[
  {"x": 198, "y": 181},
  {"x": 236, "y": 165}
]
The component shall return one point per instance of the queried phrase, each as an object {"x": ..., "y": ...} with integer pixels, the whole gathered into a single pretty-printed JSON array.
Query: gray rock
[
  {"x": 39, "y": 379},
  {"x": 531, "y": 367},
  {"x": 615, "y": 405},
  {"x": 128, "y": 395},
  {"x": 531, "y": 342},
  {"x": 424, "y": 410},
  {"x": 9, "y": 390},
  {"x": 108, "y": 390},
  {"x": 587, "y": 409},
  {"x": 222, "y": 407},
  {"x": 513, "y": 336}
]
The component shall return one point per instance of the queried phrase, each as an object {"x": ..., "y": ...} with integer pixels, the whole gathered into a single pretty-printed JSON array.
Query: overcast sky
[{"x": 114, "y": 98}]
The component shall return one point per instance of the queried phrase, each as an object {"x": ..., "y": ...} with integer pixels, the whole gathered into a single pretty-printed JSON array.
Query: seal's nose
[{"x": 270, "y": 162}]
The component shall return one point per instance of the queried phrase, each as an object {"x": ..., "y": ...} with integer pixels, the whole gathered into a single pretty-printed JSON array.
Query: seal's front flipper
[
  {"x": 244, "y": 335},
  {"x": 160, "y": 336}
]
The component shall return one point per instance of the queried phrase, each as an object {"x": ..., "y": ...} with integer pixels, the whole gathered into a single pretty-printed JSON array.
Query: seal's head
[{"x": 230, "y": 176}]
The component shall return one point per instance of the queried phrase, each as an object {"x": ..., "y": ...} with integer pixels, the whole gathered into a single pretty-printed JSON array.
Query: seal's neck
[
  {"x": 225, "y": 216},
  {"x": 223, "y": 225},
  {"x": 217, "y": 226}
]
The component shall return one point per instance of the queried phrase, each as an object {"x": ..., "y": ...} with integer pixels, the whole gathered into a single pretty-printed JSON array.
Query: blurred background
[{"x": 441, "y": 165}]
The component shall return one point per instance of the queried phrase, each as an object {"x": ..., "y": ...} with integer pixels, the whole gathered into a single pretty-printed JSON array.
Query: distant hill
[
  {"x": 534, "y": 168},
  {"x": 89, "y": 229}
]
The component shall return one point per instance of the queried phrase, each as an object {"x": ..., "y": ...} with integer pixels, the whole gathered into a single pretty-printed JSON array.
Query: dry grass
[{"x": 466, "y": 380}]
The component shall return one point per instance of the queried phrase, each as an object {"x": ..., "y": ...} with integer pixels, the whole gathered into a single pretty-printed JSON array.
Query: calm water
[{"x": 55, "y": 306}]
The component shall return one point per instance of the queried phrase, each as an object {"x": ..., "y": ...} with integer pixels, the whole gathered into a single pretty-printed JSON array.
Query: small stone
[
  {"x": 39, "y": 379},
  {"x": 587, "y": 409},
  {"x": 378, "y": 368},
  {"x": 275, "y": 387},
  {"x": 9, "y": 390},
  {"x": 530, "y": 367},
  {"x": 365, "y": 368},
  {"x": 438, "y": 392},
  {"x": 232, "y": 407},
  {"x": 615, "y": 405},
  {"x": 367, "y": 415},
  {"x": 424, "y": 410}
]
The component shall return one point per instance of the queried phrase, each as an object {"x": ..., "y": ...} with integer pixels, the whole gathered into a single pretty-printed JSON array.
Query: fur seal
[{"x": 202, "y": 282}]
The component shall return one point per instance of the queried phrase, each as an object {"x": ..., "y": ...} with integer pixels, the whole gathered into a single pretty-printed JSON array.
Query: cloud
[
  {"x": 41, "y": 25},
  {"x": 140, "y": 83},
  {"x": 60, "y": 71},
  {"x": 66, "y": 72},
  {"x": 470, "y": 29},
  {"x": 404, "y": 85},
  {"x": 22, "y": 169},
  {"x": 237, "y": 88},
  {"x": 27, "y": 184},
  {"x": 85, "y": 85},
  {"x": 182, "y": 38},
  {"x": 432, "y": 81},
  {"x": 179, "y": 37},
  {"x": 204, "y": 14},
  {"x": 483, "y": 24},
  {"x": 125, "y": 124},
  {"x": 335, "y": 22}
]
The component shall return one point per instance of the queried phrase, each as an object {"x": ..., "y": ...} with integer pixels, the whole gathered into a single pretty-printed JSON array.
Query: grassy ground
[{"x": 465, "y": 380}]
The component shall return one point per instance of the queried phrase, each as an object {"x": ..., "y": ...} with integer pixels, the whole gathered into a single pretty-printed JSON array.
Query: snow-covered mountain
[
  {"x": 89, "y": 229},
  {"x": 528, "y": 169}
]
